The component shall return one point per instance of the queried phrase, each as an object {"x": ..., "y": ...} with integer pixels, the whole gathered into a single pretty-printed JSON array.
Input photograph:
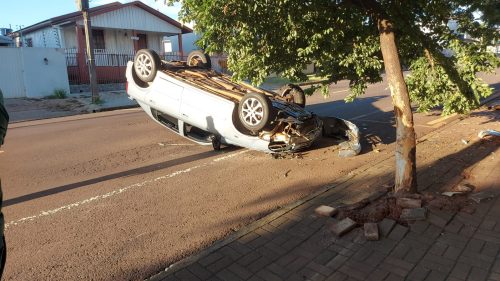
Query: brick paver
[{"x": 299, "y": 245}]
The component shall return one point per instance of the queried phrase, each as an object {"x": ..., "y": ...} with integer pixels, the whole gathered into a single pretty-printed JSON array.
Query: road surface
[{"x": 113, "y": 196}]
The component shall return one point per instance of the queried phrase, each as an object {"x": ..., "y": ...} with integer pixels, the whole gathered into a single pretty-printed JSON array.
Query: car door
[
  {"x": 202, "y": 109},
  {"x": 165, "y": 96}
]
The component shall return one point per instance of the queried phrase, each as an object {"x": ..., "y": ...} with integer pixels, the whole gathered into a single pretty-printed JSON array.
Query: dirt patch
[
  {"x": 63, "y": 104},
  {"x": 386, "y": 207},
  {"x": 26, "y": 104}
]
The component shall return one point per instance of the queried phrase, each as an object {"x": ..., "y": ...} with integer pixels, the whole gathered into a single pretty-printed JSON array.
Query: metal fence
[{"x": 111, "y": 65}]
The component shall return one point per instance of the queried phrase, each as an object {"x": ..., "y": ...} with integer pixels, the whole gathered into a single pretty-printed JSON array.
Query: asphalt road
[{"x": 113, "y": 196}]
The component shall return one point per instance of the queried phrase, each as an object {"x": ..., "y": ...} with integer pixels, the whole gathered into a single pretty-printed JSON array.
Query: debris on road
[
  {"x": 489, "y": 132},
  {"x": 287, "y": 172},
  {"x": 463, "y": 187},
  {"x": 482, "y": 196},
  {"x": 343, "y": 130},
  {"x": 409, "y": 202},
  {"x": 371, "y": 231},
  {"x": 326, "y": 211},
  {"x": 341, "y": 227},
  {"x": 451, "y": 193}
]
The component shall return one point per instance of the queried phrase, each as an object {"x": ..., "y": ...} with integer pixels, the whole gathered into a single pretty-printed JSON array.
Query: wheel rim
[
  {"x": 144, "y": 65},
  {"x": 252, "y": 111}
]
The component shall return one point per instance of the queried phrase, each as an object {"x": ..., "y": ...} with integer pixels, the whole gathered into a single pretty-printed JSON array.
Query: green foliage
[
  {"x": 98, "y": 101},
  {"x": 58, "y": 94},
  {"x": 342, "y": 39},
  {"x": 430, "y": 85}
]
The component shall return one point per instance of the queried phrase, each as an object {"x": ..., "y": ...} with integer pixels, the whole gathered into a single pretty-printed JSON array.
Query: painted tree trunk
[{"x": 405, "y": 177}]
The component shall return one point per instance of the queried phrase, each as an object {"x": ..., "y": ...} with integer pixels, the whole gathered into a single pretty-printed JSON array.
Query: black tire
[
  {"x": 199, "y": 58},
  {"x": 255, "y": 112},
  {"x": 295, "y": 94},
  {"x": 146, "y": 64}
]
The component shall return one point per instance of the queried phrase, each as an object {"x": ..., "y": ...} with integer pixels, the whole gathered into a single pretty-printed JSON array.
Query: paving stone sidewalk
[{"x": 294, "y": 244}]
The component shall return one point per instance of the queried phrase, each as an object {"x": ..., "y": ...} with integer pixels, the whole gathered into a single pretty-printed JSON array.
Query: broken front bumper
[{"x": 294, "y": 136}]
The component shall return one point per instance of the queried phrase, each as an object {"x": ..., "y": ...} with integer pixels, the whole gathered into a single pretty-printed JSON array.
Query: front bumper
[{"x": 296, "y": 136}]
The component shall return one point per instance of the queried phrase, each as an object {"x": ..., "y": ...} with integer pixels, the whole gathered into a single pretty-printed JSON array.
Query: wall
[
  {"x": 116, "y": 40},
  {"x": 24, "y": 73},
  {"x": 69, "y": 35},
  {"x": 45, "y": 38},
  {"x": 188, "y": 42},
  {"x": 11, "y": 78},
  {"x": 132, "y": 18}
]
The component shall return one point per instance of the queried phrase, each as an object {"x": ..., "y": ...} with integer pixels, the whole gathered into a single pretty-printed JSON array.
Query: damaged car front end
[{"x": 296, "y": 128}]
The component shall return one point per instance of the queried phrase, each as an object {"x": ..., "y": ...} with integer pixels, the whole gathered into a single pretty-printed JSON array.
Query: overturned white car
[{"x": 207, "y": 107}]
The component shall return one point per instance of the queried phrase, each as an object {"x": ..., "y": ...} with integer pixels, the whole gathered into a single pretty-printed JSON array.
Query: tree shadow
[
  {"x": 495, "y": 118},
  {"x": 376, "y": 126},
  {"x": 295, "y": 229}
]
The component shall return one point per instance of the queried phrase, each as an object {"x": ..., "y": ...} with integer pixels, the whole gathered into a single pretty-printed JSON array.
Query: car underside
[{"x": 209, "y": 108}]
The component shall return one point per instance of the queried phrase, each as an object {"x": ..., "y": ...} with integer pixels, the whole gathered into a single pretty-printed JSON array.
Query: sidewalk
[
  {"x": 27, "y": 109},
  {"x": 452, "y": 243}
]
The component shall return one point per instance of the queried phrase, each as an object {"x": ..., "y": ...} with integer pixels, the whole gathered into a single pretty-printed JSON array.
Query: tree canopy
[
  {"x": 359, "y": 40},
  {"x": 341, "y": 37}
]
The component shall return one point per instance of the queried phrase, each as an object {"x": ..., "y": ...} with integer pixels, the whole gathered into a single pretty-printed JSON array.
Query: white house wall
[
  {"x": 45, "y": 38},
  {"x": 154, "y": 42},
  {"x": 11, "y": 69},
  {"x": 132, "y": 18},
  {"x": 70, "y": 37},
  {"x": 32, "y": 72},
  {"x": 115, "y": 40}
]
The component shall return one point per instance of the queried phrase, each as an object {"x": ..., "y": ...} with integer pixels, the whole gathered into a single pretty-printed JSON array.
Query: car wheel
[
  {"x": 254, "y": 111},
  {"x": 199, "y": 58},
  {"x": 146, "y": 63},
  {"x": 295, "y": 94}
]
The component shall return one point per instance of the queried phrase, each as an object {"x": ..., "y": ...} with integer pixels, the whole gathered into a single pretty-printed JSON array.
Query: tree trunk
[{"x": 405, "y": 178}]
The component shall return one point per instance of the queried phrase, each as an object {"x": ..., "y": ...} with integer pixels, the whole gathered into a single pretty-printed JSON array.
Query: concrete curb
[
  {"x": 104, "y": 109},
  {"x": 284, "y": 210}
]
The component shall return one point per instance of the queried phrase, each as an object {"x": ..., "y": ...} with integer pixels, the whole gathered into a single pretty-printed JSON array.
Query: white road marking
[
  {"x": 118, "y": 191},
  {"x": 175, "y": 144}
]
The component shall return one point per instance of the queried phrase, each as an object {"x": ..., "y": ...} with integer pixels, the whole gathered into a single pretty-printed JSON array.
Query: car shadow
[
  {"x": 132, "y": 172},
  {"x": 376, "y": 126}
]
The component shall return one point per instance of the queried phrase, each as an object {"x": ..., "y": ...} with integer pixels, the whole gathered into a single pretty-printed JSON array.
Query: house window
[
  {"x": 29, "y": 42},
  {"x": 98, "y": 36}
]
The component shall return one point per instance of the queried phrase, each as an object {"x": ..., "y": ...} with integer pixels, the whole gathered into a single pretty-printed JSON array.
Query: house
[
  {"x": 6, "y": 41},
  {"x": 118, "y": 31}
]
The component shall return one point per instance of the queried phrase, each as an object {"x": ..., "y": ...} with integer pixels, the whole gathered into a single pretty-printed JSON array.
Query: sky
[{"x": 23, "y": 13}]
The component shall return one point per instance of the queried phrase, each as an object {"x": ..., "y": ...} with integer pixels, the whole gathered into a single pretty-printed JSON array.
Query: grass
[
  {"x": 58, "y": 94},
  {"x": 98, "y": 101}
]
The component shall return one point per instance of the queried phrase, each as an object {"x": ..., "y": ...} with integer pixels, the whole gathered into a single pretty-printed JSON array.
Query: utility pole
[{"x": 83, "y": 6}]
